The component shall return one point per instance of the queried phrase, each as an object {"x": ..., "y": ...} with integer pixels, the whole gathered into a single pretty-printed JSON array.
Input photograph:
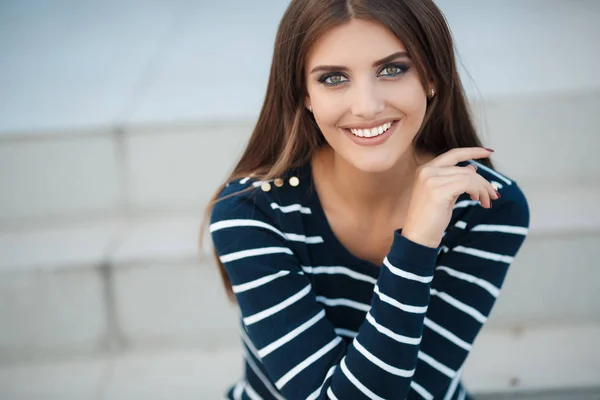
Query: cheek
[
  {"x": 409, "y": 99},
  {"x": 329, "y": 110}
]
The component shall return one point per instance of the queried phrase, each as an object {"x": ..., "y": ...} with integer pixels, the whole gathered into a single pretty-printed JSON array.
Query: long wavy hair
[{"x": 286, "y": 134}]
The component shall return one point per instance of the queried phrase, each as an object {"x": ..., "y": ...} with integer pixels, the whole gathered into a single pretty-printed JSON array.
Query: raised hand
[{"x": 437, "y": 186}]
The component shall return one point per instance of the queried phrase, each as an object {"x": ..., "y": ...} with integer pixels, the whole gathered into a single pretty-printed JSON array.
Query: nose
[{"x": 367, "y": 102}]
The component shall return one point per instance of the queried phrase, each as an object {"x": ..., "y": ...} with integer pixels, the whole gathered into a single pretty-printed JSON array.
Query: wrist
[{"x": 420, "y": 238}]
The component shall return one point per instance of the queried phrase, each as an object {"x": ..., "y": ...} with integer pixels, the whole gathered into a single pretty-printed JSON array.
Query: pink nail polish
[{"x": 490, "y": 150}]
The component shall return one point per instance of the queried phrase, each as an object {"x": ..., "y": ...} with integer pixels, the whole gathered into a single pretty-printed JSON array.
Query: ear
[
  {"x": 307, "y": 103},
  {"x": 431, "y": 90}
]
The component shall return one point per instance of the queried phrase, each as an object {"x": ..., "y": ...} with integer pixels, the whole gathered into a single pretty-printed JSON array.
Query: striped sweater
[{"x": 318, "y": 322}]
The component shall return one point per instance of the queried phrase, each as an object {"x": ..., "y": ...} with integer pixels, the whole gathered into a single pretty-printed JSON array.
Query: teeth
[{"x": 371, "y": 132}]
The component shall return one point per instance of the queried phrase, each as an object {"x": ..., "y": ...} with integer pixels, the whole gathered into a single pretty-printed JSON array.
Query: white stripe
[
  {"x": 316, "y": 393},
  {"x": 496, "y": 185},
  {"x": 447, "y": 334},
  {"x": 397, "y": 304},
  {"x": 493, "y": 290},
  {"x": 405, "y": 274},
  {"x": 246, "y": 179},
  {"x": 262, "y": 377},
  {"x": 491, "y": 171},
  {"x": 453, "y": 386},
  {"x": 251, "y": 393},
  {"x": 249, "y": 343},
  {"x": 238, "y": 389},
  {"x": 449, "y": 372},
  {"x": 517, "y": 230},
  {"x": 466, "y": 203},
  {"x": 462, "y": 394},
  {"x": 331, "y": 270},
  {"x": 306, "y": 363},
  {"x": 252, "y": 319},
  {"x": 421, "y": 390},
  {"x": 391, "y": 334},
  {"x": 238, "y": 223},
  {"x": 357, "y": 383},
  {"x": 291, "y": 208},
  {"x": 345, "y": 332},
  {"x": 344, "y": 302},
  {"x": 460, "y": 224},
  {"x": 461, "y": 306},
  {"x": 484, "y": 254},
  {"x": 330, "y": 394},
  {"x": 306, "y": 239},
  {"x": 286, "y": 338},
  {"x": 382, "y": 364},
  {"x": 258, "y": 282},
  {"x": 254, "y": 252}
]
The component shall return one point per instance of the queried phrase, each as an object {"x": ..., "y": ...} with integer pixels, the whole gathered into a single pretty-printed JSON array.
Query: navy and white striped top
[{"x": 317, "y": 322}]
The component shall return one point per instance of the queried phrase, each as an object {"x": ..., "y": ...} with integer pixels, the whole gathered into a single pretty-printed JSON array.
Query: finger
[
  {"x": 484, "y": 197},
  {"x": 452, "y": 186},
  {"x": 488, "y": 193},
  {"x": 454, "y": 156},
  {"x": 469, "y": 169}
]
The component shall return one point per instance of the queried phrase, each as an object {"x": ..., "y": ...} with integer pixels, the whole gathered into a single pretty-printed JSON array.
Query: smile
[{"x": 373, "y": 132}]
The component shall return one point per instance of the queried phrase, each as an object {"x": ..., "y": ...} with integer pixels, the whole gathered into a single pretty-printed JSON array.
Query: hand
[{"x": 437, "y": 186}]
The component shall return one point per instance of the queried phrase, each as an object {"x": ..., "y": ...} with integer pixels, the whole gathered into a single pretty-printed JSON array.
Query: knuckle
[{"x": 424, "y": 173}]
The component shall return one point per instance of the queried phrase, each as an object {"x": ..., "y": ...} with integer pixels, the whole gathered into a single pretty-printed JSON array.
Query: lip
[
  {"x": 372, "y": 141},
  {"x": 371, "y": 125}
]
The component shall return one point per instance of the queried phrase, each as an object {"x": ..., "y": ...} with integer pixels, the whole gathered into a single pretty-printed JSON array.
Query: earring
[
  {"x": 310, "y": 108},
  {"x": 432, "y": 92}
]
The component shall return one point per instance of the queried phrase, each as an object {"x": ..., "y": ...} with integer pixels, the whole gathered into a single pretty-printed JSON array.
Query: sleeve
[
  {"x": 467, "y": 281},
  {"x": 287, "y": 330}
]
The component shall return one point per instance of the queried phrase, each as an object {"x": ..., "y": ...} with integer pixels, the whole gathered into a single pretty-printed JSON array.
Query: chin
[{"x": 374, "y": 165}]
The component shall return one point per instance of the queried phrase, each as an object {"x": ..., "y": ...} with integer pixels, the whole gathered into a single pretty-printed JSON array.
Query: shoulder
[
  {"x": 259, "y": 199},
  {"x": 512, "y": 208}
]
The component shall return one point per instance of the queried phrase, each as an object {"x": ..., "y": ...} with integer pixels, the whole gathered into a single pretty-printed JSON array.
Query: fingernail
[
  {"x": 490, "y": 150},
  {"x": 498, "y": 194}
]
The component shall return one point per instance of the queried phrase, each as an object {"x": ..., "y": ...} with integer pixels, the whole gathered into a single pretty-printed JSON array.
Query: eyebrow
[{"x": 330, "y": 68}]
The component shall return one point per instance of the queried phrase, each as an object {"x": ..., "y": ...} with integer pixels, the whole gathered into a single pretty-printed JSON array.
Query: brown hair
[{"x": 286, "y": 134}]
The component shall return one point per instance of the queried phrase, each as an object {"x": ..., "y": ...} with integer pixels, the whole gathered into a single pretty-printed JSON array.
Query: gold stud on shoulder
[
  {"x": 265, "y": 186},
  {"x": 294, "y": 181},
  {"x": 278, "y": 182}
]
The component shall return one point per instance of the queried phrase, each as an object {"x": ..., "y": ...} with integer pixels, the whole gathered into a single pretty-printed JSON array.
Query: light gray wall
[
  {"x": 71, "y": 64},
  {"x": 119, "y": 118}
]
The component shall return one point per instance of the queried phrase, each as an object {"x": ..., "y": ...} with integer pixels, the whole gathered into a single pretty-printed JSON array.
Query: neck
[{"x": 374, "y": 195}]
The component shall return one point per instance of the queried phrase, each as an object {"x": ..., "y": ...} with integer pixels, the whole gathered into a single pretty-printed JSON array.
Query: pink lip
[{"x": 372, "y": 141}]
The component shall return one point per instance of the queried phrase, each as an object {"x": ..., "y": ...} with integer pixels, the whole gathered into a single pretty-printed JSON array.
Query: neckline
[{"x": 329, "y": 236}]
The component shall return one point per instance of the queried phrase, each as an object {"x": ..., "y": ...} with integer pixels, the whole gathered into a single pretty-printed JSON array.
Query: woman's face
[{"x": 359, "y": 81}]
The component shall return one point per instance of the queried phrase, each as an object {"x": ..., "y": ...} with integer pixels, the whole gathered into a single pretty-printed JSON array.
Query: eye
[
  {"x": 394, "y": 69},
  {"x": 332, "y": 79}
]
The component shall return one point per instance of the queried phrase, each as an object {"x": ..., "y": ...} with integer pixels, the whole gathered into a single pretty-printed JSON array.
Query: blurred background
[{"x": 118, "y": 119}]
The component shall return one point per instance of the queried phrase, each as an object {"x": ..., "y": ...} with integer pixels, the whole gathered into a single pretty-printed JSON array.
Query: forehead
[{"x": 355, "y": 42}]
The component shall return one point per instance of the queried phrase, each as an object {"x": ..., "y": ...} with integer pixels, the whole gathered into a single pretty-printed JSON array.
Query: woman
[{"x": 357, "y": 232}]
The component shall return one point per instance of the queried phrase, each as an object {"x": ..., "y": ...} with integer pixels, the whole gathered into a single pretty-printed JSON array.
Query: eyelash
[{"x": 403, "y": 68}]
